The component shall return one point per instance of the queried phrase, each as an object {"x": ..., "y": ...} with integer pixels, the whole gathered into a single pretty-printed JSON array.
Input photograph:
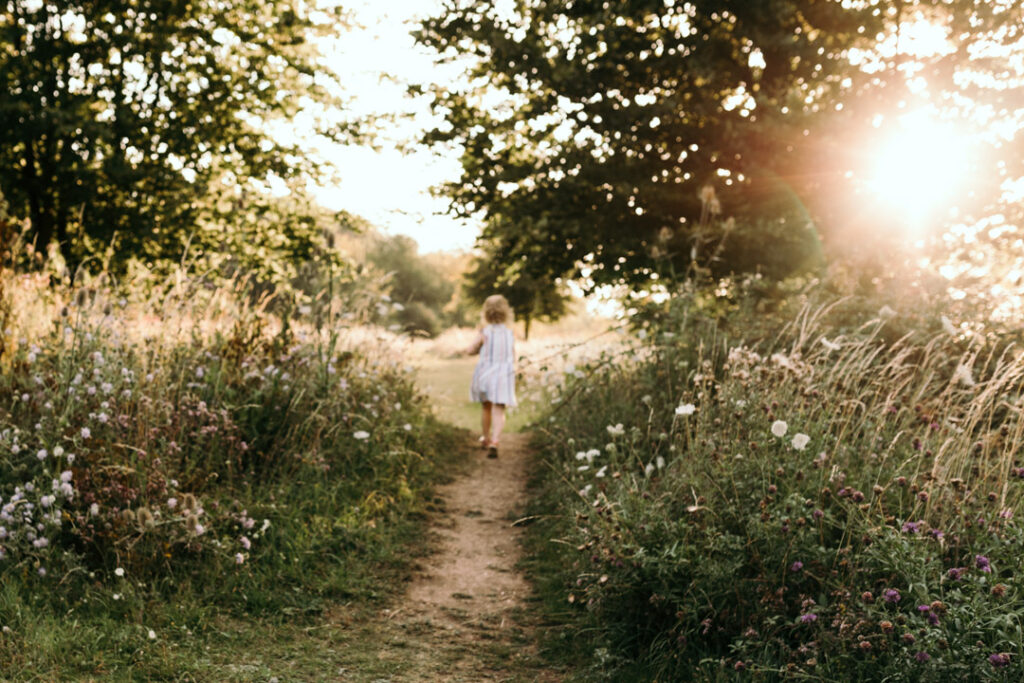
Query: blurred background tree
[
  {"x": 142, "y": 129},
  {"x": 530, "y": 298}
]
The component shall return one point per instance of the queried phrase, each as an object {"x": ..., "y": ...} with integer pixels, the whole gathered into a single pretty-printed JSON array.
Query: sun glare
[{"x": 918, "y": 169}]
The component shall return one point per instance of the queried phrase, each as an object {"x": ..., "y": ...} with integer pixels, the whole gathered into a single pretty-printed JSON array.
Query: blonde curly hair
[{"x": 497, "y": 311}]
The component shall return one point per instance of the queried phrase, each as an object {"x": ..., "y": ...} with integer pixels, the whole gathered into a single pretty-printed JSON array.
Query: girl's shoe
[
  {"x": 492, "y": 451},
  {"x": 484, "y": 443}
]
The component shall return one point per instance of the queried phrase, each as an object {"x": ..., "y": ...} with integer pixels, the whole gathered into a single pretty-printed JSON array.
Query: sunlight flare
[{"x": 919, "y": 169}]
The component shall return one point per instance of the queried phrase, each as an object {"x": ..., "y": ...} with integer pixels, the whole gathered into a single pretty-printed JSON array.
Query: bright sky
[{"x": 390, "y": 188}]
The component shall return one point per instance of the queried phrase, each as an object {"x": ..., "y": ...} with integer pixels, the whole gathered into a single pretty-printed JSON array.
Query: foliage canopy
[
  {"x": 146, "y": 125},
  {"x": 591, "y": 129}
]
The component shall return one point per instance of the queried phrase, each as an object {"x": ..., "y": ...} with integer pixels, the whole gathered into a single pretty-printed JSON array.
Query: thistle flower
[
  {"x": 145, "y": 517},
  {"x": 796, "y": 566},
  {"x": 922, "y": 657},
  {"x": 982, "y": 563},
  {"x": 999, "y": 660},
  {"x": 808, "y": 618},
  {"x": 892, "y": 595}
]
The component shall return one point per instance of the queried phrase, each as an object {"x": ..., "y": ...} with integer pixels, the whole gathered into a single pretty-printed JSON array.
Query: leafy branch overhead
[
  {"x": 148, "y": 125},
  {"x": 589, "y": 130}
]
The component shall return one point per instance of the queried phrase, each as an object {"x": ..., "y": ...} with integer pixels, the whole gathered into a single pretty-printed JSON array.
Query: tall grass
[
  {"x": 174, "y": 450},
  {"x": 830, "y": 497}
]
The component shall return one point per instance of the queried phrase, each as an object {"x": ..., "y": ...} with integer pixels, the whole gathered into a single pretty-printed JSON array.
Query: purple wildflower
[
  {"x": 796, "y": 566},
  {"x": 892, "y": 595},
  {"x": 956, "y": 573},
  {"x": 933, "y": 618},
  {"x": 911, "y": 527},
  {"x": 818, "y": 514},
  {"x": 982, "y": 563},
  {"x": 937, "y": 535},
  {"x": 924, "y": 608},
  {"x": 922, "y": 657},
  {"x": 999, "y": 659},
  {"x": 808, "y": 618}
]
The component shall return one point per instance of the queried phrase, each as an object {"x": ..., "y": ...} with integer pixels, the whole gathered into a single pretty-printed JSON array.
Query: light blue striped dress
[{"x": 494, "y": 380}]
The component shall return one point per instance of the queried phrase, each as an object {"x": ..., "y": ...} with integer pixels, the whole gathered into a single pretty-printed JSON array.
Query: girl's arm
[{"x": 474, "y": 348}]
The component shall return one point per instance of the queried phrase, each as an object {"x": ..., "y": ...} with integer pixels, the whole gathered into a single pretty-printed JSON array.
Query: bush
[{"x": 837, "y": 502}]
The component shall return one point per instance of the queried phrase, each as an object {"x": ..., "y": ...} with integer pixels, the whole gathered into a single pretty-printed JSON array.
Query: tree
[
  {"x": 530, "y": 298},
  {"x": 413, "y": 282},
  {"x": 592, "y": 131},
  {"x": 143, "y": 123}
]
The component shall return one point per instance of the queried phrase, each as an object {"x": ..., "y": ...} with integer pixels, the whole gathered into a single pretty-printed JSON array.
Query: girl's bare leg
[
  {"x": 498, "y": 422},
  {"x": 485, "y": 422}
]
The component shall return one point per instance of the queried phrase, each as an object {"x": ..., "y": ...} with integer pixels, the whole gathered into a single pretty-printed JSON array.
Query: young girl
[{"x": 494, "y": 380}]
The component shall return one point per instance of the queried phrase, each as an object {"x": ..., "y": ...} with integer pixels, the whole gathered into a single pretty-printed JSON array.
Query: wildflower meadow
[
  {"x": 173, "y": 454},
  {"x": 827, "y": 493}
]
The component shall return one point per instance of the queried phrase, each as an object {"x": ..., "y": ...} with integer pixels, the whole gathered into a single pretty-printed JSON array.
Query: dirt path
[{"x": 463, "y": 618}]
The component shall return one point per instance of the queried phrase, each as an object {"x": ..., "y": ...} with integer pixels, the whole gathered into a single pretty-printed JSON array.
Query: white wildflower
[
  {"x": 600, "y": 473},
  {"x": 830, "y": 345},
  {"x": 649, "y": 470},
  {"x": 885, "y": 312},
  {"x": 616, "y": 430},
  {"x": 948, "y": 327},
  {"x": 800, "y": 441},
  {"x": 963, "y": 375},
  {"x": 361, "y": 435},
  {"x": 686, "y": 409},
  {"x": 779, "y": 428}
]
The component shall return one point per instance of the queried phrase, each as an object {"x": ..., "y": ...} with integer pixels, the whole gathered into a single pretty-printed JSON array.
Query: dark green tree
[
  {"x": 531, "y": 299},
  {"x": 142, "y": 124},
  {"x": 415, "y": 283},
  {"x": 591, "y": 130}
]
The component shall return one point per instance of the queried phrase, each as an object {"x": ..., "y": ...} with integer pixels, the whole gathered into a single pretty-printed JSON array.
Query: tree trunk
[{"x": 526, "y": 327}]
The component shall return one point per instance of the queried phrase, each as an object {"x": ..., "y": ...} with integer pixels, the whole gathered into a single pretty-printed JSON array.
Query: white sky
[{"x": 390, "y": 188}]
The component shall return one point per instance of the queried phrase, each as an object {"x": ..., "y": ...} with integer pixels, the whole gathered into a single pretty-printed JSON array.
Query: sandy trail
[{"x": 463, "y": 618}]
